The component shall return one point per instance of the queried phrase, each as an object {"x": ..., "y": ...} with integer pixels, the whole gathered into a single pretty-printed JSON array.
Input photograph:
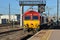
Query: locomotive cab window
[
  {"x": 27, "y": 17},
  {"x": 35, "y": 17}
]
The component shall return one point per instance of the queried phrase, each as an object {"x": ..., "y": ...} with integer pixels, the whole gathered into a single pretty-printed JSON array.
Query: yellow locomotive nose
[{"x": 31, "y": 24}]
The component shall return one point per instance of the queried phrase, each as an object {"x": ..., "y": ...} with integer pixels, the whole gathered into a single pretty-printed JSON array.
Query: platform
[{"x": 46, "y": 35}]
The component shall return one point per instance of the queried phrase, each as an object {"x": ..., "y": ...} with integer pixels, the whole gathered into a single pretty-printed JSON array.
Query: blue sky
[{"x": 15, "y": 8}]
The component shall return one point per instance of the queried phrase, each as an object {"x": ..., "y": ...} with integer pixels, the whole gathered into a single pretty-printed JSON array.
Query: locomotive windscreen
[
  {"x": 35, "y": 17},
  {"x": 27, "y": 17}
]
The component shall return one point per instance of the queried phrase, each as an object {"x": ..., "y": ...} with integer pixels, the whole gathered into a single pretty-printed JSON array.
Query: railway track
[
  {"x": 8, "y": 32},
  {"x": 1, "y": 25},
  {"x": 5, "y": 35},
  {"x": 15, "y": 35}
]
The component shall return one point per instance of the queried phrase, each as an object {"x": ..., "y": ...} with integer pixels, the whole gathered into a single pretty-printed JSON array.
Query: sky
[{"x": 15, "y": 8}]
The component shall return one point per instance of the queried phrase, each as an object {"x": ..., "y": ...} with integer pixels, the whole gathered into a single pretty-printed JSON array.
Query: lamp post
[
  {"x": 9, "y": 12},
  {"x": 57, "y": 10}
]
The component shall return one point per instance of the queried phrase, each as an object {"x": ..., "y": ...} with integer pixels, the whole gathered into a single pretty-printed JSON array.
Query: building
[{"x": 5, "y": 18}]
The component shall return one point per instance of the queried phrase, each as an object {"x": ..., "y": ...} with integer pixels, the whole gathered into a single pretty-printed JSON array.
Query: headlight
[
  {"x": 27, "y": 25},
  {"x": 31, "y": 24}
]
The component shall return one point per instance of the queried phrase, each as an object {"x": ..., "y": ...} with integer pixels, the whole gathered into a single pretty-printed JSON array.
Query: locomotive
[{"x": 32, "y": 20}]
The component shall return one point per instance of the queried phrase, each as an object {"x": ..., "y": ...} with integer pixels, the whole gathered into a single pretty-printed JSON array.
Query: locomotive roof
[{"x": 31, "y": 12}]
